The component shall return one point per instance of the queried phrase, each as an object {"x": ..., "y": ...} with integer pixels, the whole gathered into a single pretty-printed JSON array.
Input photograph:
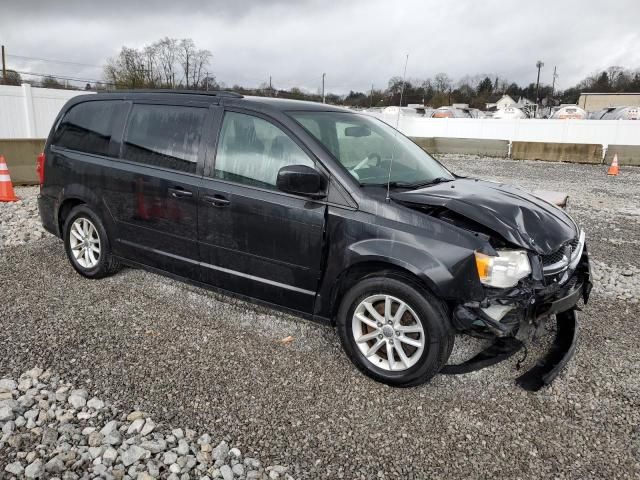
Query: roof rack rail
[{"x": 213, "y": 93}]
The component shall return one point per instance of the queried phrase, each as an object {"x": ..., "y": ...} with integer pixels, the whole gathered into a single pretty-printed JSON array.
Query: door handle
[
  {"x": 179, "y": 192},
  {"x": 216, "y": 200}
]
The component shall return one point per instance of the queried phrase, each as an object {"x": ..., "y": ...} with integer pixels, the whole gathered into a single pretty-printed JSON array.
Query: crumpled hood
[{"x": 517, "y": 216}]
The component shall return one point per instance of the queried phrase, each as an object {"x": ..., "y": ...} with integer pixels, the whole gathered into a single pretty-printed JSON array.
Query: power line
[
  {"x": 54, "y": 61},
  {"x": 62, "y": 77}
]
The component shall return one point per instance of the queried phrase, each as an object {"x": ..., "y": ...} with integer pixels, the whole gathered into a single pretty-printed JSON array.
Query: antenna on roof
[{"x": 404, "y": 76}]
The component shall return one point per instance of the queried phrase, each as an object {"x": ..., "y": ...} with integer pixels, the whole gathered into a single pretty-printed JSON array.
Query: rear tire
[
  {"x": 395, "y": 318},
  {"x": 87, "y": 244}
]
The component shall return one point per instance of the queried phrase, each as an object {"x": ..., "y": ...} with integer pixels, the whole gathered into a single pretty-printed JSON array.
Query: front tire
[
  {"x": 394, "y": 331},
  {"x": 87, "y": 244}
]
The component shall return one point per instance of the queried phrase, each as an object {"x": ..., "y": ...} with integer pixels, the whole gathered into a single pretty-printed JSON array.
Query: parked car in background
[
  {"x": 320, "y": 211},
  {"x": 510, "y": 113},
  {"x": 569, "y": 112},
  {"x": 451, "y": 112},
  {"x": 616, "y": 113}
]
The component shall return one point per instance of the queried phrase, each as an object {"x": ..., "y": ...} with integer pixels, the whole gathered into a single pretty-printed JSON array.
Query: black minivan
[{"x": 324, "y": 212}]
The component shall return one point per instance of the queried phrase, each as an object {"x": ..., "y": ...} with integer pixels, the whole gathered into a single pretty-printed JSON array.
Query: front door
[
  {"x": 153, "y": 192},
  {"x": 254, "y": 239}
]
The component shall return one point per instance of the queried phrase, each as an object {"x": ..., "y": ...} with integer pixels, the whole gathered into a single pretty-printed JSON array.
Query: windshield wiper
[
  {"x": 435, "y": 181},
  {"x": 393, "y": 184},
  {"x": 396, "y": 184}
]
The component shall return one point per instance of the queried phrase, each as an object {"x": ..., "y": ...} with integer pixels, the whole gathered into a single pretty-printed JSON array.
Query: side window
[
  {"x": 164, "y": 136},
  {"x": 87, "y": 127},
  {"x": 252, "y": 151}
]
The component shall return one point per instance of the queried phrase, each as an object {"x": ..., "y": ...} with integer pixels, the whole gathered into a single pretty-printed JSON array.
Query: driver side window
[{"x": 251, "y": 151}]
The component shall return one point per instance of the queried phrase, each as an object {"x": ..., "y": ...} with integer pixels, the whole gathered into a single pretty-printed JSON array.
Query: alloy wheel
[
  {"x": 388, "y": 332},
  {"x": 85, "y": 243}
]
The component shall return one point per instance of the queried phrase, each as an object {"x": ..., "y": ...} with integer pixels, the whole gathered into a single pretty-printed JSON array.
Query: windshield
[{"x": 365, "y": 146}]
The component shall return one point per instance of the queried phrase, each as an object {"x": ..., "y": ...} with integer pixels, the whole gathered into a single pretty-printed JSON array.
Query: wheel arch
[
  {"x": 372, "y": 268},
  {"x": 77, "y": 194},
  {"x": 65, "y": 208},
  {"x": 446, "y": 271}
]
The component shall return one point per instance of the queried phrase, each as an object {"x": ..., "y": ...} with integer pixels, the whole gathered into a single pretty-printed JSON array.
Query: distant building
[
  {"x": 498, "y": 102},
  {"x": 593, "y": 102}
]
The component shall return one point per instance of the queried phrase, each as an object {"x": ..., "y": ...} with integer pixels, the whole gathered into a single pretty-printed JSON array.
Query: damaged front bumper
[{"x": 504, "y": 312}]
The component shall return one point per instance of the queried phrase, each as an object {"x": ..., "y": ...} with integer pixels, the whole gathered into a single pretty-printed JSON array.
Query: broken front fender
[{"x": 448, "y": 270}]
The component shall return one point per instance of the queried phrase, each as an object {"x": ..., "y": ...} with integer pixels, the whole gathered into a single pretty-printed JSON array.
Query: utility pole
[
  {"x": 323, "y": 87},
  {"x": 371, "y": 97},
  {"x": 4, "y": 68},
  {"x": 539, "y": 65},
  {"x": 270, "y": 87},
  {"x": 553, "y": 86}
]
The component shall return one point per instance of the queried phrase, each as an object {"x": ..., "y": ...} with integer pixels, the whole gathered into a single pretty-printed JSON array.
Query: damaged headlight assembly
[{"x": 504, "y": 270}]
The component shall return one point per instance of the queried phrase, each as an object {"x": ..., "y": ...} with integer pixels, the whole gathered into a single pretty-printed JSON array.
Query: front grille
[
  {"x": 554, "y": 257},
  {"x": 563, "y": 257},
  {"x": 559, "y": 254}
]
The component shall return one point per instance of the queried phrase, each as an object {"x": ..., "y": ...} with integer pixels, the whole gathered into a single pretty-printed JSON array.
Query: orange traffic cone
[
  {"x": 6, "y": 187},
  {"x": 614, "y": 169}
]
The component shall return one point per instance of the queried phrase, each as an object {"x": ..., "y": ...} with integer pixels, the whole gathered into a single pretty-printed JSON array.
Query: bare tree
[
  {"x": 150, "y": 55},
  {"x": 200, "y": 66},
  {"x": 12, "y": 78},
  {"x": 167, "y": 53},
  {"x": 186, "y": 53},
  {"x": 127, "y": 69},
  {"x": 442, "y": 82},
  {"x": 168, "y": 63}
]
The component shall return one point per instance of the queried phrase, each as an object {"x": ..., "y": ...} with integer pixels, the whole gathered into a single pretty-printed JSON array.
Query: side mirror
[{"x": 301, "y": 180}]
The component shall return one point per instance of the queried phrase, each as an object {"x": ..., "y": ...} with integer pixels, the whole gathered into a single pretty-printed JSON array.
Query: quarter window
[
  {"x": 165, "y": 136},
  {"x": 252, "y": 151},
  {"x": 87, "y": 127}
]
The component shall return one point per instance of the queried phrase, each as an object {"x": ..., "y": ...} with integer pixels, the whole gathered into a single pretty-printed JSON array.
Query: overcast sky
[{"x": 356, "y": 42}]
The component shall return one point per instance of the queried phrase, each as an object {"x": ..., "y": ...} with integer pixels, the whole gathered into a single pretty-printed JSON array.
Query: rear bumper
[{"x": 48, "y": 216}]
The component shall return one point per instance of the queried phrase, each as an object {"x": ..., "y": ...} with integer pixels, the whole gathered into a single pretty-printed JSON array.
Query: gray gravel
[
  {"x": 19, "y": 221},
  {"x": 50, "y": 429},
  {"x": 194, "y": 359}
]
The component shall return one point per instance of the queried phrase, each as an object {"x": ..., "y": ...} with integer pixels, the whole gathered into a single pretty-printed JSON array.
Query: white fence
[
  {"x": 603, "y": 132},
  {"x": 29, "y": 112}
]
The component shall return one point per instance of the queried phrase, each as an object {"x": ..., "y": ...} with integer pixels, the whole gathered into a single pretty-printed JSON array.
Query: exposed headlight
[{"x": 505, "y": 270}]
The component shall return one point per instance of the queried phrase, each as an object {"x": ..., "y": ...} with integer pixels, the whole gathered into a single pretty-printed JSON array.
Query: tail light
[{"x": 40, "y": 168}]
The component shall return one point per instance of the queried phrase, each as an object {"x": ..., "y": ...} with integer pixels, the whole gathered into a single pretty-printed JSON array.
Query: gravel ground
[
  {"x": 194, "y": 359},
  {"x": 57, "y": 430}
]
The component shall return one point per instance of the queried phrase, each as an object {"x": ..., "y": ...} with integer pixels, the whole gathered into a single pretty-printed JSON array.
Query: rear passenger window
[
  {"x": 165, "y": 136},
  {"x": 87, "y": 127},
  {"x": 252, "y": 151}
]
